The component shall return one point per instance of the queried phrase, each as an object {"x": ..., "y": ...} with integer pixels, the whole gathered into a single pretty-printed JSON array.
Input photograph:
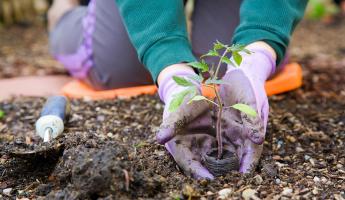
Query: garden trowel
[{"x": 49, "y": 126}]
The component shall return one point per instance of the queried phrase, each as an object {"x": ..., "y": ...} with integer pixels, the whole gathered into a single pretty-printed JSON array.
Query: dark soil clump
[{"x": 102, "y": 171}]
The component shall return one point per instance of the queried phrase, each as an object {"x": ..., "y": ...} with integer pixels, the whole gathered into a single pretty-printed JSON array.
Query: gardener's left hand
[
  {"x": 188, "y": 132},
  {"x": 246, "y": 85}
]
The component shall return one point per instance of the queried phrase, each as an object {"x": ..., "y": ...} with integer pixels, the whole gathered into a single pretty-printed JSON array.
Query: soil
[
  {"x": 24, "y": 51},
  {"x": 108, "y": 150}
]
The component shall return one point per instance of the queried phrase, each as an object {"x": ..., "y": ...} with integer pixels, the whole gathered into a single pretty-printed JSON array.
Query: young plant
[{"x": 221, "y": 51}]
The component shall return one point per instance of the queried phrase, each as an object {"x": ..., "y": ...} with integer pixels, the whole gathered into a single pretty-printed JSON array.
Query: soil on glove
[{"x": 108, "y": 150}]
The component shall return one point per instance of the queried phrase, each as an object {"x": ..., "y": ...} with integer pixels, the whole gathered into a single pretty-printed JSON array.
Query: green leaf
[
  {"x": 178, "y": 100},
  {"x": 226, "y": 60},
  {"x": 197, "y": 98},
  {"x": 202, "y": 66},
  {"x": 182, "y": 81},
  {"x": 236, "y": 48},
  {"x": 237, "y": 58},
  {"x": 193, "y": 91},
  {"x": 211, "y": 53},
  {"x": 197, "y": 78},
  {"x": 215, "y": 81},
  {"x": 218, "y": 45},
  {"x": 245, "y": 109},
  {"x": 2, "y": 114},
  {"x": 247, "y": 51}
]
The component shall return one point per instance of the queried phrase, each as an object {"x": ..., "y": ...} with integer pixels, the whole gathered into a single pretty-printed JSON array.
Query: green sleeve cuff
[
  {"x": 248, "y": 36},
  {"x": 165, "y": 52}
]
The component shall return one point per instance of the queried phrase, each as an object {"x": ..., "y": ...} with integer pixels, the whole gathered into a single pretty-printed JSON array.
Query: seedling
[{"x": 212, "y": 81}]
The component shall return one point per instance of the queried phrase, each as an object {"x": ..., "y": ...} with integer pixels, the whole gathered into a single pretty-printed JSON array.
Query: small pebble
[
  {"x": 277, "y": 181},
  {"x": 280, "y": 144},
  {"x": 316, "y": 179},
  {"x": 291, "y": 139},
  {"x": 248, "y": 194},
  {"x": 2, "y": 161},
  {"x": 283, "y": 183},
  {"x": 100, "y": 118},
  {"x": 20, "y": 192},
  {"x": 7, "y": 191},
  {"x": 287, "y": 158},
  {"x": 203, "y": 182},
  {"x": 158, "y": 106},
  {"x": 110, "y": 134},
  {"x": 258, "y": 179},
  {"x": 224, "y": 193},
  {"x": 315, "y": 191},
  {"x": 280, "y": 165},
  {"x": 287, "y": 192},
  {"x": 299, "y": 149},
  {"x": 209, "y": 193},
  {"x": 306, "y": 157},
  {"x": 189, "y": 191},
  {"x": 324, "y": 180},
  {"x": 304, "y": 191},
  {"x": 276, "y": 157},
  {"x": 339, "y": 166},
  {"x": 160, "y": 153}
]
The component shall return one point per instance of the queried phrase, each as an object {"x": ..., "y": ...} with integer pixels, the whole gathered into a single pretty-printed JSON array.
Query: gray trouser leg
[
  {"x": 116, "y": 62},
  {"x": 65, "y": 38}
]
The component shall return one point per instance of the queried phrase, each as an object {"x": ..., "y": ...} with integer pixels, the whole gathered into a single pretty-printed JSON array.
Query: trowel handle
[
  {"x": 56, "y": 105},
  {"x": 54, "y": 113}
]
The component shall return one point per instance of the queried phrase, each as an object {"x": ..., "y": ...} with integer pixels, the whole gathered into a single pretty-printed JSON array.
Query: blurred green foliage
[
  {"x": 319, "y": 9},
  {"x": 2, "y": 114}
]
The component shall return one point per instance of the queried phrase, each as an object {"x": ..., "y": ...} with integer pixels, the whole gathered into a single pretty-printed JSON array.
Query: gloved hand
[
  {"x": 247, "y": 86},
  {"x": 187, "y": 133}
]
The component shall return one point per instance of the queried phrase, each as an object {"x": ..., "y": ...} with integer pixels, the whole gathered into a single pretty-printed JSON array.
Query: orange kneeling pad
[{"x": 288, "y": 79}]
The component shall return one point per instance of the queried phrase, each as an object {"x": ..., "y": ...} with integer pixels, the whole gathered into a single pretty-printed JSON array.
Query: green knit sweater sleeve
[
  {"x": 272, "y": 21},
  {"x": 158, "y": 32}
]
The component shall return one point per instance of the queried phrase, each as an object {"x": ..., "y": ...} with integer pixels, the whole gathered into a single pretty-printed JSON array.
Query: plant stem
[
  {"x": 219, "y": 124},
  {"x": 219, "y": 63},
  {"x": 220, "y": 109},
  {"x": 212, "y": 102}
]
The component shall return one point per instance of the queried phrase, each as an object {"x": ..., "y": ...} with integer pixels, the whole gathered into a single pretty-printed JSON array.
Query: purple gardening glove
[
  {"x": 247, "y": 87},
  {"x": 187, "y": 133}
]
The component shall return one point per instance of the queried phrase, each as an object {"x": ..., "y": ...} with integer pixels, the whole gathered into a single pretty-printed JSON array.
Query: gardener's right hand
[
  {"x": 187, "y": 133},
  {"x": 246, "y": 85}
]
